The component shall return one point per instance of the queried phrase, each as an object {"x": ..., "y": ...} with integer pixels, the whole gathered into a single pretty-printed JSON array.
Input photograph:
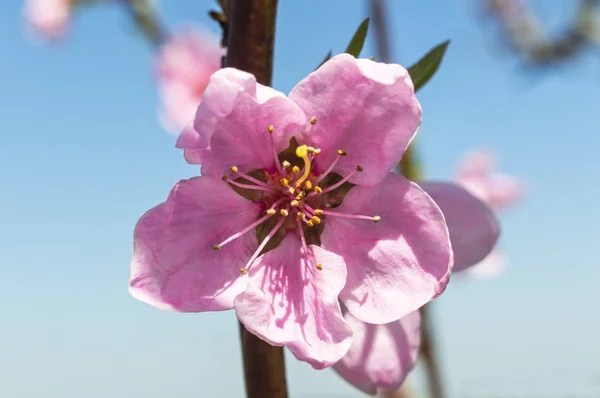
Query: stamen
[
  {"x": 313, "y": 120},
  {"x": 316, "y": 220},
  {"x": 262, "y": 245},
  {"x": 358, "y": 169},
  {"x": 301, "y": 216},
  {"x": 284, "y": 182},
  {"x": 270, "y": 129},
  {"x": 243, "y": 231},
  {"x": 375, "y": 219},
  {"x": 296, "y": 170},
  {"x": 310, "y": 223},
  {"x": 302, "y": 237},
  {"x": 277, "y": 202},
  {"x": 285, "y": 165},
  {"x": 309, "y": 209},
  {"x": 318, "y": 190},
  {"x": 308, "y": 185},
  {"x": 320, "y": 267},
  {"x": 284, "y": 212},
  {"x": 331, "y": 166},
  {"x": 318, "y": 212},
  {"x": 294, "y": 203},
  {"x": 235, "y": 170},
  {"x": 247, "y": 186},
  {"x": 271, "y": 211}
]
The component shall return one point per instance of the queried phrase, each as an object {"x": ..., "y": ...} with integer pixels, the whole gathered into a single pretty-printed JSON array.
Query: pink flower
[
  {"x": 381, "y": 356},
  {"x": 297, "y": 210},
  {"x": 50, "y": 18},
  {"x": 184, "y": 65},
  {"x": 498, "y": 191}
]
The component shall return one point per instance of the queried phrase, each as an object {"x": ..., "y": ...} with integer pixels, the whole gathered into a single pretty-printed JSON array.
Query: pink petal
[
  {"x": 50, "y": 18},
  {"x": 476, "y": 163},
  {"x": 473, "y": 226},
  {"x": 366, "y": 108},
  {"x": 396, "y": 265},
  {"x": 290, "y": 302},
  {"x": 184, "y": 65},
  {"x": 506, "y": 191},
  {"x": 232, "y": 121},
  {"x": 381, "y": 356},
  {"x": 490, "y": 267},
  {"x": 174, "y": 266}
]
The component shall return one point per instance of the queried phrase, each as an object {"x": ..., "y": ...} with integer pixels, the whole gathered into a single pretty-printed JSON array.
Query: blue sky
[{"x": 82, "y": 156}]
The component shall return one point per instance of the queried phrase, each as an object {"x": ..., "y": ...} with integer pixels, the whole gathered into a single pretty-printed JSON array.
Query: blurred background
[{"x": 83, "y": 154}]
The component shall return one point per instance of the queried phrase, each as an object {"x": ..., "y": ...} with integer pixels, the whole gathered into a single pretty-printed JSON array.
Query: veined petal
[
  {"x": 473, "y": 227},
  {"x": 366, "y": 108},
  {"x": 381, "y": 356},
  {"x": 290, "y": 302},
  {"x": 174, "y": 266},
  {"x": 231, "y": 124},
  {"x": 396, "y": 265}
]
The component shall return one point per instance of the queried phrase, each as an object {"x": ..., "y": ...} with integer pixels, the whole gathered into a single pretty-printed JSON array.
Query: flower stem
[{"x": 250, "y": 42}]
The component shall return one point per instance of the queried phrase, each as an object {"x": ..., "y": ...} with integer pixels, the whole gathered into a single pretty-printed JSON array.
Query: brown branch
[
  {"x": 251, "y": 39},
  {"x": 526, "y": 36}
]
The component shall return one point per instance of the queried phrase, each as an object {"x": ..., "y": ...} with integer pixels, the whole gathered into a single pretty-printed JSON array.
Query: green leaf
[
  {"x": 358, "y": 40},
  {"x": 327, "y": 57},
  {"x": 426, "y": 67}
]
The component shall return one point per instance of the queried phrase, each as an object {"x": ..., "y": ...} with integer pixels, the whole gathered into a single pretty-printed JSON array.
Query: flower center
[{"x": 293, "y": 195}]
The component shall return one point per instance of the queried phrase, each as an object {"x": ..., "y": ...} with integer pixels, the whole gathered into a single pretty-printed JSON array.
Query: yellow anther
[
  {"x": 318, "y": 190},
  {"x": 308, "y": 185},
  {"x": 310, "y": 149},
  {"x": 224, "y": 178},
  {"x": 284, "y": 182},
  {"x": 317, "y": 151},
  {"x": 216, "y": 248},
  {"x": 300, "y": 195},
  {"x": 319, "y": 212},
  {"x": 286, "y": 163},
  {"x": 291, "y": 190},
  {"x": 270, "y": 129},
  {"x": 271, "y": 211},
  {"x": 313, "y": 120},
  {"x": 234, "y": 169},
  {"x": 296, "y": 170},
  {"x": 376, "y": 219},
  {"x": 341, "y": 152},
  {"x": 301, "y": 215},
  {"x": 320, "y": 267},
  {"x": 294, "y": 203},
  {"x": 310, "y": 223},
  {"x": 243, "y": 271},
  {"x": 284, "y": 212},
  {"x": 316, "y": 220},
  {"x": 359, "y": 167}
]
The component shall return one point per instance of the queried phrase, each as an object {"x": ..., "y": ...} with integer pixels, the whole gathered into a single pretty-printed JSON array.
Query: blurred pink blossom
[
  {"x": 49, "y": 18},
  {"x": 184, "y": 65},
  {"x": 499, "y": 191}
]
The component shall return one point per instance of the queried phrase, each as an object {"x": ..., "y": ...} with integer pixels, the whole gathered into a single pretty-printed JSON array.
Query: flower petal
[
  {"x": 381, "y": 356},
  {"x": 184, "y": 64},
  {"x": 490, "y": 267},
  {"x": 366, "y": 108},
  {"x": 174, "y": 266},
  {"x": 232, "y": 120},
  {"x": 290, "y": 302},
  {"x": 473, "y": 227},
  {"x": 398, "y": 264}
]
